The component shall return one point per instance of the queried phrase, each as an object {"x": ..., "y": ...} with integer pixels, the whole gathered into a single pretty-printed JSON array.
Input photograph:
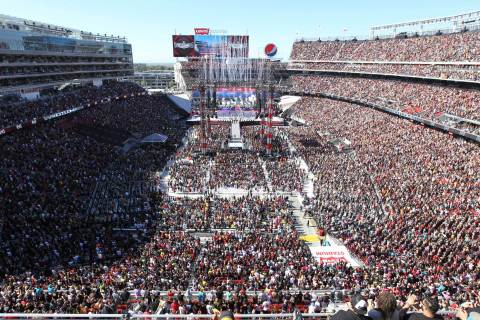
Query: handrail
[
  {"x": 41, "y": 74},
  {"x": 393, "y": 75},
  {"x": 325, "y": 315},
  {"x": 375, "y": 37},
  {"x": 472, "y": 63},
  {"x": 59, "y": 315},
  {"x": 50, "y": 64},
  {"x": 237, "y": 316},
  {"x": 255, "y": 292},
  {"x": 156, "y": 316}
]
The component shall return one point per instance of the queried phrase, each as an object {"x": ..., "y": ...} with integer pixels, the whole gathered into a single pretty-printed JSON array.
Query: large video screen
[
  {"x": 231, "y": 98},
  {"x": 233, "y": 102},
  {"x": 219, "y": 45},
  {"x": 183, "y": 46},
  {"x": 236, "y": 102},
  {"x": 210, "y": 45}
]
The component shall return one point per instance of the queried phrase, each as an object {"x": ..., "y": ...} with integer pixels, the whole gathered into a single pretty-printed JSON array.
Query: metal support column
[
  {"x": 203, "y": 141},
  {"x": 269, "y": 145}
]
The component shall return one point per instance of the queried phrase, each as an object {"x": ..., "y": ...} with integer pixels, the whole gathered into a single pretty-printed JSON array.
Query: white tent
[{"x": 154, "y": 138}]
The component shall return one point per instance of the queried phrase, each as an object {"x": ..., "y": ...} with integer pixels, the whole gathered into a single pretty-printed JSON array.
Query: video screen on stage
[
  {"x": 233, "y": 102},
  {"x": 210, "y": 45},
  {"x": 231, "y": 98}
]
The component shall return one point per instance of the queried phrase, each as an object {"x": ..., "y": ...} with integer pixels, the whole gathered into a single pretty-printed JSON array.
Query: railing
[
  {"x": 313, "y": 316},
  {"x": 449, "y": 63},
  {"x": 65, "y": 316},
  {"x": 389, "y": 76},
  {"x": 79, "y": 48},
  {"x": 470, "y": 28},
  {"x": 44, "y": 74},
  {"x": 254, "y": 293}
]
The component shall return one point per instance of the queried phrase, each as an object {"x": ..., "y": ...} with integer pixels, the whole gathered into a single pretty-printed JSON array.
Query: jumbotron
[{"x": 342, "y": 183}]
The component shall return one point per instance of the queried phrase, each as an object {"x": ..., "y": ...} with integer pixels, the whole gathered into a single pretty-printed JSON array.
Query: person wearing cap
[{"x": 357, "y": 311}]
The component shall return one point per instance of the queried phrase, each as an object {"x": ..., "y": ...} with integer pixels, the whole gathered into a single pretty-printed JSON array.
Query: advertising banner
[
  {"x": 332, "y": 254},
  {"x": 202, "y": 31}
]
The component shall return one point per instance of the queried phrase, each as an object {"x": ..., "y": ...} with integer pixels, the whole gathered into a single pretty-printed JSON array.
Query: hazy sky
[{"x": 149, "y": 24}]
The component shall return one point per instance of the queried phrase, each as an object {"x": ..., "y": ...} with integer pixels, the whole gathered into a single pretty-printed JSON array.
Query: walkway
[
  {"x": 305, "y": 227},
  {"x": 266, "y": 174}
]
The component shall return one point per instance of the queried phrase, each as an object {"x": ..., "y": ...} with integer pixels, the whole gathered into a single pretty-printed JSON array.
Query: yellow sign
[{"x": 310, "y": 238}]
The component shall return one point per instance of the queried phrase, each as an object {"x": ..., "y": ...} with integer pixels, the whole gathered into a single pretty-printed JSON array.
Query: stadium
[{"x": 342, "y": 182}]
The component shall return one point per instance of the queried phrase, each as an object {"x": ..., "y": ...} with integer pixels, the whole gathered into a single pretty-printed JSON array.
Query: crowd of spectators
[
  {"x": 49, "y": 172},
  {"x": 214, "y": 213},
  {"x": 465, "y": 71},
  {"x": 447, "y": 47},
  {"x": 73, "y": 260},
  {"x": 285, "y": 174},
  {"x": 456, "y": 47},
  {"x": 404, "y": 198},
  {"x": 46, "y": 177},
  {"x": 241, "y": 169},
  {"x": 143, "y": 115},
  {"x": 427, "y": 101},
  {"x": 189, "y": 171},
  {"x": 19, "y": 112},
  {"x": 189, "y": 174},
  {"x": 263, "y": 252},
  {"x": 36, "y": 69}
]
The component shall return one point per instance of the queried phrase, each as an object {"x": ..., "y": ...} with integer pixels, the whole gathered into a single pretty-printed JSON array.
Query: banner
[
  {"x": 202, "y": 31},
  {"x": 183, "y": 46},
  {"x": 332, "y": 254},
  {"x": 61, "y": 113}
]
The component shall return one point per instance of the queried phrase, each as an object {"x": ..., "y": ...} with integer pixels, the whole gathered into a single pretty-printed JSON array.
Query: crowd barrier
[
  {"x": 276, "y": 316},
  {"x": 248, "y": 293}
]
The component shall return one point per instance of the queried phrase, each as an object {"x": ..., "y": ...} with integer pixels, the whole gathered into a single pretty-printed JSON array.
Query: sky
[{"x": 149, "y": 24}]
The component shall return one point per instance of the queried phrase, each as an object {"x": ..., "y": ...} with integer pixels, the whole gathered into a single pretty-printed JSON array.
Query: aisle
[{"x": 305, "y": 230}]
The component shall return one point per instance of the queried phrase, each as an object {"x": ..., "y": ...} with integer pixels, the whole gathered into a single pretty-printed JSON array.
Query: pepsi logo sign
[{"x": 270, "y": 50}]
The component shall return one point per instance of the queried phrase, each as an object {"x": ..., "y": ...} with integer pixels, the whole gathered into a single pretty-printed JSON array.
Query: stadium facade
[
  {"x": 36, "y": 55},
  {"x": 158, "y": 80}
]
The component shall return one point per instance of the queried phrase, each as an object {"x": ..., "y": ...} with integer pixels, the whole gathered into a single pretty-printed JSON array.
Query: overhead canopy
[{"x": 155, "y": 138}]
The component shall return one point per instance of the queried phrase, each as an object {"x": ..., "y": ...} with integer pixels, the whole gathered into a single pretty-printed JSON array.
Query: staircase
[{"x": 301, "y": 221}]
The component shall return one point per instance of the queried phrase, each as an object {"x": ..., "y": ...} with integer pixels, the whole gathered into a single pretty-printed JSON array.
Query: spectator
[
  {"x": 429, "y": 307},
  {"x": 358, "y": 310}
]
